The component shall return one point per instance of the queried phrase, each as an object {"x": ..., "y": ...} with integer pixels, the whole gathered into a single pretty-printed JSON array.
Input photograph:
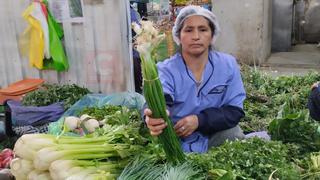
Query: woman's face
[{"x": 195, "y": 35}]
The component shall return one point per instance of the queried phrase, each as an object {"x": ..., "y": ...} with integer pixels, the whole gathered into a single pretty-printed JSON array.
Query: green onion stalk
[
  {"x": 64, "y": 169},
  {"x": 148, "y": 39}
]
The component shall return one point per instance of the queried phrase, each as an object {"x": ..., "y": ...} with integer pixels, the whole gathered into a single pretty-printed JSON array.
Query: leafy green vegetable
[
  {"x": 265, "y": 94},
  {"x": 296, "y": 127},
  {"x": 53, "y": 93},
  {"x": 113, "y": 114},
  {"x": 313, "y": 168},
  {"x": 248, "y": 159}
]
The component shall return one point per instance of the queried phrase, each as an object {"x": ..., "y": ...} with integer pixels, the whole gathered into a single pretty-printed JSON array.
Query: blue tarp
[{"x": 32, "y": 115}]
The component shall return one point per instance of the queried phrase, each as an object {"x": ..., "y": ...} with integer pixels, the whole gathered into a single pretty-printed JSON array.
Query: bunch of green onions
[{"x": 148, "y": 39}]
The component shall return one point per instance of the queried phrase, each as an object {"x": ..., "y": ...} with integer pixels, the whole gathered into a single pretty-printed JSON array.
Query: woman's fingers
[
  {"x": 178, "y": 126},
  {"x": 147, "y": 112},
  {"x": 186, "y": 126},
  {"x": 181, "y": 128},
  {"x": 155, "y": 133},
  {"x": 155, "y": 126}
]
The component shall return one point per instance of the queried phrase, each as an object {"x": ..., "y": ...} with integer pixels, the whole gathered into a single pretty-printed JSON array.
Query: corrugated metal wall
[{"x": 97, "y": 49}]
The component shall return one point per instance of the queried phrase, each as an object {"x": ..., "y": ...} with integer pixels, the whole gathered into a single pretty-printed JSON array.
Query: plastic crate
[{"x": 16, "y": 90}]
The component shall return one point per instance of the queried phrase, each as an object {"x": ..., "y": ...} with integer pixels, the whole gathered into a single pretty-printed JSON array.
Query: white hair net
[{"x": 194, "y": 11}]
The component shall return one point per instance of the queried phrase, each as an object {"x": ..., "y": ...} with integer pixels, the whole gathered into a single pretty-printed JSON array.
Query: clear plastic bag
[{"x": 129, "y": 99}]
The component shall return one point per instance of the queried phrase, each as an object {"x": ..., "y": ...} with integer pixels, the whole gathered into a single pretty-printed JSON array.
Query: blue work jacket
[{"x": 221, "y": 86}]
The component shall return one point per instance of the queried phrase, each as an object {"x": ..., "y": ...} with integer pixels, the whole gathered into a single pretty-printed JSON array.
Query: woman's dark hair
[{"x": 212, "y": 27}]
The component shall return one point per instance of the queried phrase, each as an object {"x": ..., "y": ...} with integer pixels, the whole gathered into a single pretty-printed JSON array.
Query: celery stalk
[
  {"x": 20, "y": 168},
  {"x": 67, "y": 168}
]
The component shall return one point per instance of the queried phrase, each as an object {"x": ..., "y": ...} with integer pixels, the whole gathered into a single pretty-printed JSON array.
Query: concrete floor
[{"x": 299, "y": 61}]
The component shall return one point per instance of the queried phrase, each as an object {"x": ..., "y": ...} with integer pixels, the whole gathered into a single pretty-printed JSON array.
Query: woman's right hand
[{"x": 155, "y": 126}]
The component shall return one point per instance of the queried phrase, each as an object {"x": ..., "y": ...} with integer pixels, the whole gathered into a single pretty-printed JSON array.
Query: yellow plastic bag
[
  {"x": 32, "y": 40},
  {"x": 24, "y": 41}
]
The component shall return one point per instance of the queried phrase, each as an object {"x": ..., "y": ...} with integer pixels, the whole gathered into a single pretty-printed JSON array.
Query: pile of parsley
[
  {"x": 52, "y": 93},
  {"x": 248, "y": 159},
  {"x": 265, "y": 95}
]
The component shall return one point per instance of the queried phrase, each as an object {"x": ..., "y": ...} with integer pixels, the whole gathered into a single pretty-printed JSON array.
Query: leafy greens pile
[
  {"x": 296, "y": 127},
  {"x": 252, "y": 158},
  {"x": 113, "y": 114},
  {"x": 265, "y": 95},
  {"x": 53, "y": 93}
]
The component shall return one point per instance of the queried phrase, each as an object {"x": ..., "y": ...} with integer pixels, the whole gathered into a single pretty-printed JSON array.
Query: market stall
[
  {"x": 96, "y": 130},
  {"x": 282, "y": 141}
]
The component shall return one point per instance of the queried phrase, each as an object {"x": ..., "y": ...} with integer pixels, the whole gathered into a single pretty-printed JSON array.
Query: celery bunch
[{"x": 69, "y": 157}]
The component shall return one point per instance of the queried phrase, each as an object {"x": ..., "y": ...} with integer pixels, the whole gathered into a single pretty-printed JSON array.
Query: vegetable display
[
  {"x": 75, "y": 157},
  {"x": 99, "y": 155},
  {"x": 120, "y": 147}
]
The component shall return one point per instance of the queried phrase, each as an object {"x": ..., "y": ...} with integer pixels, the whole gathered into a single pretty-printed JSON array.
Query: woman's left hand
[{"x": 186, "y": 126}]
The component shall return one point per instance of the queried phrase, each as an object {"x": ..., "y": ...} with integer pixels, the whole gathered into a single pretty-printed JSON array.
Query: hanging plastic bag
[
  {"x": 32, "y": 39},
  {"x": 42, "y": 39},
  {"x": 24, "y": 42},
  {"x": 58, "y": 59},
  {"x": 41, "y": 16}
]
